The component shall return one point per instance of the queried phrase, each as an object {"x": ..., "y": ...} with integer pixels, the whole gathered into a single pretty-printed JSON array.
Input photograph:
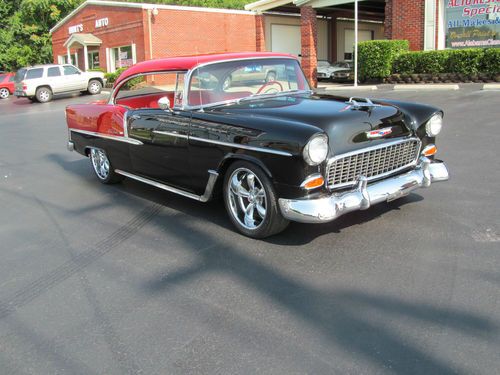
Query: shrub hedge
[
  {"x": 463, "y": 61},
  {"x": 376, "y": 57}
]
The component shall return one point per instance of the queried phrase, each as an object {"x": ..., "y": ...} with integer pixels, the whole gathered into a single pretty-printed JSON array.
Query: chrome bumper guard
[{"x": 329, "y": 208}]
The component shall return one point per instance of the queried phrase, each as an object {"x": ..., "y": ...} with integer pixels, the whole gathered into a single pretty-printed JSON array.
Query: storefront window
[
  {"x": 93, "y": 58},
  {"x": 122, "y": 57},
  {"x": 64, "y": 59}
]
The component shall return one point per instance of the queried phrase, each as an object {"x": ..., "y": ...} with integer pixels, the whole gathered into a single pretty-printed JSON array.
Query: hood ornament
[
  {"x": 379, "y": 133},
  {"x": 361, "y": 103}
]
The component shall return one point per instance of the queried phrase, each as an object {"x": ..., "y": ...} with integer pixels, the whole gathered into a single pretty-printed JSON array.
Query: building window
[
  {"x": 93, "y": 59},
  {"x": 121, "y": 57},
  {"x": 63, "y": 59}
]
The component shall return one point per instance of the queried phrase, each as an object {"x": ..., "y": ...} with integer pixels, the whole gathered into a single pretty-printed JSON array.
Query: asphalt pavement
[{"x": 128, "y": 279}]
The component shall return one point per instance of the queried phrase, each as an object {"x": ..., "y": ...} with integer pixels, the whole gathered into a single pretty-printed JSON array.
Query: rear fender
[{"x": 98, "y": 118}]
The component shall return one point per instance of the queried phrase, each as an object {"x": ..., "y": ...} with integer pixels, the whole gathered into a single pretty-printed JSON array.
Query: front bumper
[{"x": 329, "y": 208}]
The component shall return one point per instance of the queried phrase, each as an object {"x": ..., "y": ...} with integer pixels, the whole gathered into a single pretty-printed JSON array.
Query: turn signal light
[
  {"x": 313, "y": 182},
  {"x": 429, "y": 150}
]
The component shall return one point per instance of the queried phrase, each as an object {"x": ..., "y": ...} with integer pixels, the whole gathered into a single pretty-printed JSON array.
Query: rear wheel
[
  {"x": 4, "y": 93},
  {"x": 251, "y": 201},
  {"x": 43, "y": 94},
  {"x": 94, "y": 87},
  {"x": 103, "y": 168}
]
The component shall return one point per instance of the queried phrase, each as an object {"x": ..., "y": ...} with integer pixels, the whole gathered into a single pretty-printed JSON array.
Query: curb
[
  {"x": 344, "y": 88},
  {"x": 491, "y": 86},
  {"x": 418, "y": 87}
]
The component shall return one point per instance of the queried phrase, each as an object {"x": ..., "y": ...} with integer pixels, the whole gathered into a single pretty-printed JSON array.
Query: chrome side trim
[
  {"x": 173, "y": 134},
  {"x": 212, "y": 179},
  {"x": 368, "y": 149},
  {"x": 244, "y": 147},
  {"x": 118, "y": 138}
]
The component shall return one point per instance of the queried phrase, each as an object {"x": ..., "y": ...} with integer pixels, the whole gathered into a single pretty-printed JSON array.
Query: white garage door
[
  {"x": 349, "y": 40},
  {"x": 285, "y": 39}
]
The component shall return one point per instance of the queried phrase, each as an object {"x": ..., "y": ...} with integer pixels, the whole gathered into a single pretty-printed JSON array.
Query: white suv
[{"x": 41, "y": 82}]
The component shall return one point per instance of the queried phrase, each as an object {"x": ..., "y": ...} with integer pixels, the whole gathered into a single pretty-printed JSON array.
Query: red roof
[{"x": 190, "y": 62}]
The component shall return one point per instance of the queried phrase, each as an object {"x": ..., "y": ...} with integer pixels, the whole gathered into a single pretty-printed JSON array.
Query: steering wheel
[{"x": 270, "y": 83}]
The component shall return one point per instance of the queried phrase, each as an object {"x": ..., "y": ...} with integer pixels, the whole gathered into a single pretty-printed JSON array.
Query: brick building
[{"x": 110, "y": 34}]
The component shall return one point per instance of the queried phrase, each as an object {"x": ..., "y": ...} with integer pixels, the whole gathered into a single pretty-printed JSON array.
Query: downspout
[{"x": 150, "y": 36}]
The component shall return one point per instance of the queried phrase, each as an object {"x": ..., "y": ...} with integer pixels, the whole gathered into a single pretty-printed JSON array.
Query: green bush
[
  {"x": 464, "y": 61},
  {"x": 376, "y": 57},
  {"x": 491, "y": 61},
  {"x": 96, "y": 70},
  {"x": 111, "y": 77}
]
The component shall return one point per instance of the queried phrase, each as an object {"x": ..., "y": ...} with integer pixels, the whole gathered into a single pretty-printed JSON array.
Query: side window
[
  {"x": 53, "y": 72},
  {"x": 2, "y": 77},
  {"x": 12, "y": 78},
  {"x": 145, "y": 91},
  {"x": 34, "y": 73},
  {"x": 70, "y": 70}
]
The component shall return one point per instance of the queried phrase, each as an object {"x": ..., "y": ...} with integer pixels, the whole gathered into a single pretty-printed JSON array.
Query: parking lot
[{"x": 128, "y": 279}]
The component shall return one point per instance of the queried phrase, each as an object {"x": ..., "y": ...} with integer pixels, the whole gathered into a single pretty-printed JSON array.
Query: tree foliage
[
  {"x": 24, "y": 30},
  {"x": 25, "y": 25}
]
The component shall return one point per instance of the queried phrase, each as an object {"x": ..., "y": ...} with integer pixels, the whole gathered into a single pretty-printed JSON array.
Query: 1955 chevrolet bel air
[{"x": 200, "y": 125}]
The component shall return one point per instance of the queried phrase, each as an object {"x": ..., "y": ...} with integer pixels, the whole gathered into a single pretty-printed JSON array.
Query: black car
[{"x": 275, "y": 150}]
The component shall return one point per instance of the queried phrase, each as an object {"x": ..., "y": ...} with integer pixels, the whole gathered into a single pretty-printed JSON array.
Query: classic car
[
  {"x": 276, "y": 150},
  {"x": 6, "y": 85},
  {"x": 326, "y": 70},
  {"x": 344, "y": 74}
]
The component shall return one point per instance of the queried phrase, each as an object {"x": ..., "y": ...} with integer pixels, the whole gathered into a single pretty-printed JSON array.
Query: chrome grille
[{"x": 372, "y": 163}]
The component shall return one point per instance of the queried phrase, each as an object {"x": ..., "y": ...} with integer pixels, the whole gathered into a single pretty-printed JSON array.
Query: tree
[{"x": 25, "y": 26}]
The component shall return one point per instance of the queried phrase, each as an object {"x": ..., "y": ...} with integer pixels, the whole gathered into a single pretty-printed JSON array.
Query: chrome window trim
[
  {"x": 118, "y": 138},
  {"x": 368, "y": 149},
  {"x": 115, "y": 90},
  {"x": 244, "y": 147}
]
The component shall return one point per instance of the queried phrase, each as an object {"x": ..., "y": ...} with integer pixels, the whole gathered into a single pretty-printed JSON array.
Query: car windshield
[
  {"x": 341, "y": 65},
  {"x": 20, "y": 75},
  {"x": 234, "y": 80}
]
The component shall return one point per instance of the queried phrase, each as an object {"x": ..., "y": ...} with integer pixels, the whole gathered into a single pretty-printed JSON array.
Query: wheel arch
[{"x": 96, "y": 79}]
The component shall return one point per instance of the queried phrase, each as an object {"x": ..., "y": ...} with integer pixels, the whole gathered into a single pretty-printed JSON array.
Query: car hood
[{"x": 345, "y": 126}]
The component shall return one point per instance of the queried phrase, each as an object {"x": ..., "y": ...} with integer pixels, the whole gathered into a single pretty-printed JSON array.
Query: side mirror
[{"x": 164, "y": 103}]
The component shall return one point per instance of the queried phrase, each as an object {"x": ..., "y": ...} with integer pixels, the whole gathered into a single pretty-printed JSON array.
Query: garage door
[
  {"x": 285, "y": 39},
  {"x": 349, "y": 41}
]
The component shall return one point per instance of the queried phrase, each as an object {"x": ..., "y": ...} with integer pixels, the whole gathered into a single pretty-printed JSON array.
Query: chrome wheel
[
  {"x": 94, "y": 87},
  {"x": 100, "y": 162},
  {"x": 247, "y": 198},
  {"x": 4, "y": 93}
]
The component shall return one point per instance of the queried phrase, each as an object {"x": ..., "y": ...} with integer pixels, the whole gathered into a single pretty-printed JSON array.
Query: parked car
[
  {"x": 42, "y": 82},
  {"x": 344, "y": 74},
  {"x": 326, "y": 70},
  {"x": 276, "y": 151},
  {"x": 6, "y": 85}
]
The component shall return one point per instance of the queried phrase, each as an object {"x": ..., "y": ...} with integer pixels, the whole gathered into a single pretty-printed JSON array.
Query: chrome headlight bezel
[
  {"x": 434, "y": 125},
  {"x": 316, "y": 150}
]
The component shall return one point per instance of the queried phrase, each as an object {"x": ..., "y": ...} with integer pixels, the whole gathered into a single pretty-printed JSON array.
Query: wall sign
[
  {"x": 101, "y": 22},
  {"x": 75, "y": 29},
  {"x": 472, "y": 23}
]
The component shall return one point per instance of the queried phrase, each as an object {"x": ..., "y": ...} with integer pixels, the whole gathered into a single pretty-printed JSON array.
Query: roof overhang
[
  {"x": 83, "y": 39},
  {"x": 121, "y": 4},
  {"x": 263, "y": 5}
]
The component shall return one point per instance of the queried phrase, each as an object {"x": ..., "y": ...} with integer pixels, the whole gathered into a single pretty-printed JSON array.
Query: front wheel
[
  {"x": 94, "y": 87},
  {"x": 103, "y": 168},
  {"x": 251, "y": 201},
  {"x": 4, "y": 93}
]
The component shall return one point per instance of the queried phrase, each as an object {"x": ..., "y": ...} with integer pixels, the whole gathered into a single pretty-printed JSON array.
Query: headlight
[
  {"x": 316, "y": 150},
  {"x": 434, "y": 125}
]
